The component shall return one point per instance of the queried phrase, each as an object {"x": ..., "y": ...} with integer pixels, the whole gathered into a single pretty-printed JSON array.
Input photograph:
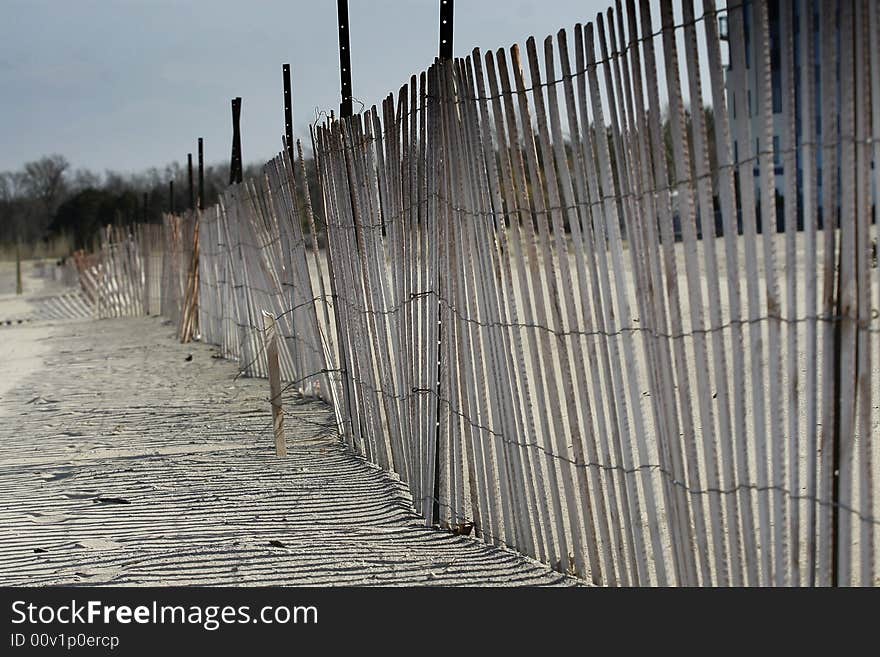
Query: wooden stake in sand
[
  {"x": 271, "y": 337},
  {"x": 18, "y": 289}
]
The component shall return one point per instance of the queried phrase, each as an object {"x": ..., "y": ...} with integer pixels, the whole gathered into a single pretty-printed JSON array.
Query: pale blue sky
[{"x": 130, "y": 84}]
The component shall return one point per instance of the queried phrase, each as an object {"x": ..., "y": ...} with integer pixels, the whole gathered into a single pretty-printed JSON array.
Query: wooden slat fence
[{"x": 552, "y": 299}]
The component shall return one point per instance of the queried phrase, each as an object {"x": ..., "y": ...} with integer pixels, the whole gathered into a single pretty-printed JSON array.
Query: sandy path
[
  {"x": 21, "y": 347},
  {"x": 117, "y": 414}
]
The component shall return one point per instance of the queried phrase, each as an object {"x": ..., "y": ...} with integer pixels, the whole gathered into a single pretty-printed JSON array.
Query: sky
[{"x": 131, "y": 84}]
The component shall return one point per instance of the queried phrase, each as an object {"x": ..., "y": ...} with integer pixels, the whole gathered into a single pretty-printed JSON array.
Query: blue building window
[
  {"x": 775, "y": 56},
  {"x": 747, "y": 21}
]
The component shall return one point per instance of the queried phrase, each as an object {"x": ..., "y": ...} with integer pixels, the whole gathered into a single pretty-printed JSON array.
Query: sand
[
  {"x": 21, "y": 348},
  {"x": 124, "y": 463}
]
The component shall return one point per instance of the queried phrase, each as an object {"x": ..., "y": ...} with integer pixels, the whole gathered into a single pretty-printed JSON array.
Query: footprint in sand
[
  {"x": 99, "y": 544},
  {"x": 85, "y": 495},
  {"x": 56, "y": 475},
  {"x": 46, "y": 518}
]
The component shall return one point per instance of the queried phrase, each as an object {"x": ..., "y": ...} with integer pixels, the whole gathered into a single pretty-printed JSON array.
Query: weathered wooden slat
[
  {"x": 727, "y": 561},
  {"x": 863, "y": 574},
  {"x": 809, "y": 203},
  {"x": 578, "y": 215},
  {"x": 271, "y": 337},
  {"x": 828, "y": 82},
  {"x": 788, "y": 144},
  {"x": 756, "y": 349}
]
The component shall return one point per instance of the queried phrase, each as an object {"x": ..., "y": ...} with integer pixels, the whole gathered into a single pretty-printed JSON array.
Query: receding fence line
[{"x": 600, "y": 332}]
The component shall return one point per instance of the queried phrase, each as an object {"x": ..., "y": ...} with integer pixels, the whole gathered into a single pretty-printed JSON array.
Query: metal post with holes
[
  {"x": 192, "y": 196},
  {"x": 446, "y": 29},
  {"x": 288, "y": 113},
  {"x": 201, "y": 174},
  {"x": 235, "y": 172},
  {"x": 345, "y": 107}
]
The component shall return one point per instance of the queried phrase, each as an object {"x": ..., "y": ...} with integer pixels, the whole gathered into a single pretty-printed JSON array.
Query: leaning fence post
[
  {"x": 235, "y": 172},
  {"x": 288, "y": 111},
  {"x": 270, "y": 336}
]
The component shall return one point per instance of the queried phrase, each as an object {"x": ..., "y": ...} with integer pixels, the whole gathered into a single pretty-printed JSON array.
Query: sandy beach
[{"x": 123, "y": 461}]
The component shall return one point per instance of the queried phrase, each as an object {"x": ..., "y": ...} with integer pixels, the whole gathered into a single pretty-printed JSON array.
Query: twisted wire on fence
[{"x": 517, "y": 244}]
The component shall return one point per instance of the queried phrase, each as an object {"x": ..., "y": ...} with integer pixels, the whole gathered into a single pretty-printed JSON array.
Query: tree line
[{"x": 47, "y": 198}]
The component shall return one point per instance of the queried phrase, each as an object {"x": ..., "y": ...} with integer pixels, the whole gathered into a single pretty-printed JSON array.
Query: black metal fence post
[
  {"x": 171, "y": 196},
  {"x": 288, "y": 113},
  {"x": 201, "y": 174},
  {"x": 235, "y": 172},
  {"x": 345, "y": 107},
  {"x": 446, "y": 12}
]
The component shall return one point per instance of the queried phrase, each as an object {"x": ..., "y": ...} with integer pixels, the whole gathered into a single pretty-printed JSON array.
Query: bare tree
[
  {"x": 12, "y": 186},
  {"x": 46, "y": 184},
  {"x": 15, "y": 207},
  {"x": 84, "y": 179}
]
